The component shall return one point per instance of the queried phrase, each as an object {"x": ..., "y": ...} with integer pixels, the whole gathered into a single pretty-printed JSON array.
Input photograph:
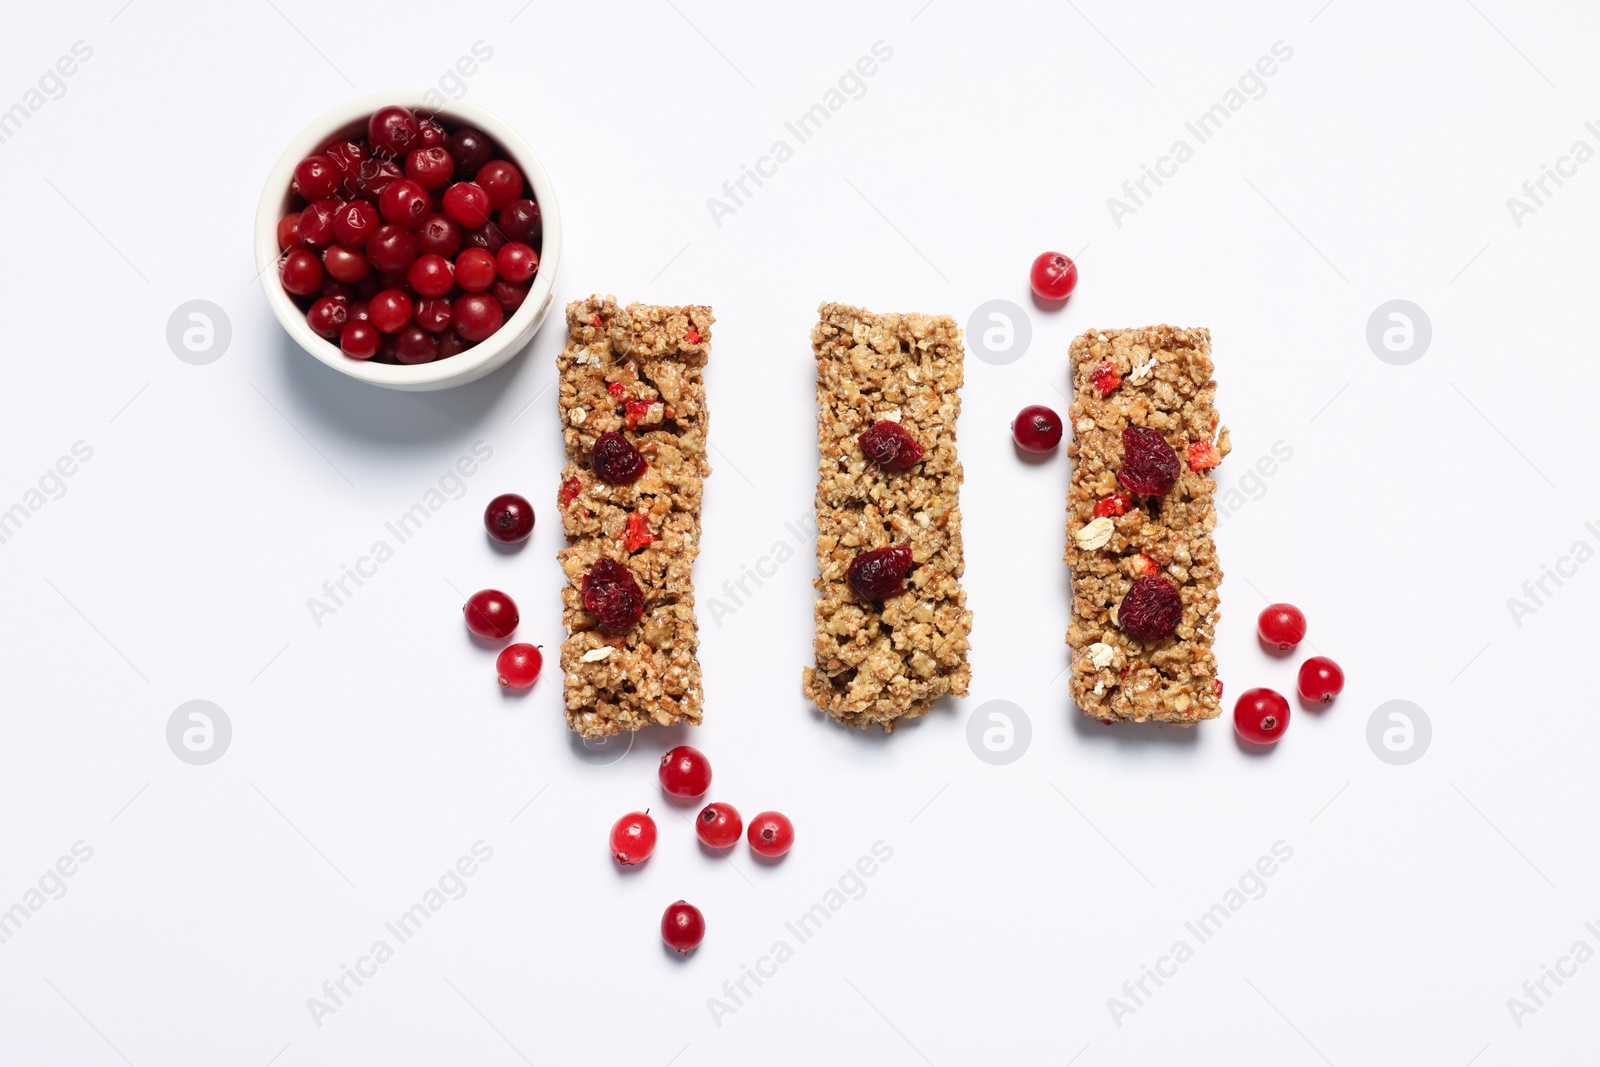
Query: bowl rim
[{"x": 481, "y": 358}]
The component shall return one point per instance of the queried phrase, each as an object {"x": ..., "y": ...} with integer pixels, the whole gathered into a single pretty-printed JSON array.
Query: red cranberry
[
  {"x": 316, "y": 223},
  {"x": 432, "y": 314},
  {"x": 633, "y": 838},
  {"x": 359, "y": 339},
  {"x": 501, "y": 179},
  {"x": 343, "y": 292},
  {"x": 509, "y": 518},
  {"x": 289, "y": 231},
  {"x": 612, "y": 595},
  {"x": 430, "y": 167},
  {"x": 516, "y": 262},
  {"x": 300, "y": 271},
  {"x": 488, "y": 238},
  {"x": 1036, "y": 429},
  {"x": 467, "y": 203},
  {"x": 520, "y": 220},
  {"x": 477, "y": 316},
  {"x": 430, "y": 134},
  {"x": 719, "y": 825},
  {"x": 393, "y": 130},
  {"x": 880, "y": 573},
  {"x": 413, "y": 344},
  {"x": 392, "y": 248},
  {"x": 491, "y": 614},
  {"x": 509, "y": 295},
  {"x": 390, "y": 310},
  {"x": 1151, "y": 610},
  {"x": 1320, "y": 679},
  {"x": 889, "y": 445},
  {"x": 1149, "y": 465},
  {"x": 519, "y": 665},
  {"x": 475, "y": 270},
  {"x": 440, "y": 235},
  {"x": 347, "y": 156},
  {"x": 431, "y": 275},
  {"x": 683, "y": 927},
  {"x": 685, "y": 772},
  {"x": 405, "y": 203},
  {"x": 1261, "y": 716},
  {"x": 327, "y": 317},
  {"x": 345, "y": 264},
  {"x": 470, "y": 149},
  {"x": 771, "y": 834},
  {"x": 1053, "y": 276},
  {"x": 613, "y": 459},
  {"x": 317, "y": 177},
  {"x": 358, "y": 311},
  {"x": 375, "y": 176},
  {"x": 451, "y": 344},
  {"x": 1281, "y": 626}
]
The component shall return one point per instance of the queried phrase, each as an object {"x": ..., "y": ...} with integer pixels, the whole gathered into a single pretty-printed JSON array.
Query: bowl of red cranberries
[{"x": 410, "y": 247}]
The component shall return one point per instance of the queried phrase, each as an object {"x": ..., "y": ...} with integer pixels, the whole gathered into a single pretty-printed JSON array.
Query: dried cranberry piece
[
  {"x": 1149, "y": 465},
  {"x": 1151, "y": 609},
  {"x": 880, "y": 573},
  {"x": 612, "y": 595},
  {"x": 614, "y": 460},
  {"x": 890, "y": 446}
]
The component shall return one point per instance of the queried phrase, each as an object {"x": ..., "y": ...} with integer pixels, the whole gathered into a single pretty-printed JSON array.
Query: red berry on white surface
[
  {"x": 771, "y": 834},
  {"x": 1320, "y": 679},
  {"x": 1036, "y": 429},
  {"x": 719, "y": 825},
  {"x": 633, "y": 838},
  {"x": 1261, "y": 716},
  {"x": 683, "y": 927},
  {"x": 685, "y": 772},
  {"x": 1053, "y": 276},
  {"x": 1281, "y": 626},
  {"x": 519, "y": 665},
  {"x": 491, "y": 614}
]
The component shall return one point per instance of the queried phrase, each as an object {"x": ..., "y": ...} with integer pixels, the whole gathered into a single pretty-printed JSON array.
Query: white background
[{"x": 368, "y": 754}]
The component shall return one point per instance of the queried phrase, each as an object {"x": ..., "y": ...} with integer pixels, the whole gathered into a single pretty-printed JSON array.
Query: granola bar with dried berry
[
  {"x": 633, "y": 417},
  {"x": 1139, "y": 522},
  {"x": 891, "y": 616}
]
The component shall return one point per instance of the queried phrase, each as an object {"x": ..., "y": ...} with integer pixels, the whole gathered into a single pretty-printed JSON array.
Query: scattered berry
[
  {"x": 519, "y": 665},
  {"x": 683, "y": 927},
  {"x": 614, "y": 460},
  {"x": 1151, "y": 610},
  {"x": 509, "y": 518},
  {"x": 771, "y": 834},
  {"x": 1281, "y": 626},
  {"x": 1105, "y": 378},
  {"x": 1113, "y": 505},
  {"x": 491, "y": 614},
  {"x": 685, "y": 772},
  {"x": 880, "y": 573},
  {"x": 1036, "y": 429},
  {"x": 633, "y": 838},
  {"x": 719, "y": 825},
  {"x": 612, "y": 595},
  {"x": 1203, "y": 454},
  {"x": 638, "y": 533},
  {"x": 1149, "y": 465},
  {"x": 1053, "y": 276},
  {"x": 1261, "y": 716},
  {"x": 1321, "y": 679}
]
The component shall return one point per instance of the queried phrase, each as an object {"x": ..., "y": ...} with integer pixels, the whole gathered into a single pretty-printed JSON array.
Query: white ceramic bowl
[{"x": 476, "y": 361}]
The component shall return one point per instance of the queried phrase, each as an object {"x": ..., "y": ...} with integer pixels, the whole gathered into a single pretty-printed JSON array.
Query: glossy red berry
[
  {"x": 375, "y": 176},
  {"x": 475, "y": 270},
  {"x": 487, "y": 237},
  {"x": 889, "y": 446},
  {"x": 633, "y": 837},
  {"x": 719, "y": 825},
  {"x": 414, "y": 345},
  {"x": 516, "y": 262},
  {"x": 501, "y": 179},
  {"x": 1321, "y": 679},
  {"x": 359, "y": 339},
  {"x": 433, "y": 314},
  {"x": 1261, "y": 716},
  {"x": 683, "y": 927},
  {"x": 316, "y": 223},
  {"x": 393, "y": 130},
  {"x": 345, "y": 264},
  {"x": 316, "y": 177},
  {"x": 1036, "y": 429},
  {"x": 327, "y": 317},
  {"x": 771, "y": 834},
  {"x": 404, "y": 202},
  {"x": 685, "y": 772},
  {"x": 390, "y": 310},
  {"x": 471, "y": 149},
  {"x": 491, "y": 614},
  {"x": 392, "y": 248},
  {"x": 1281, "y": 626},
  {"x": 1053, "y": 276},
  {"x": 300, "y": 271},
  {"x": 521, "y": 220},
  {"x": 612, "y": 595},
  {"x": 430, "y": 167},
  {"x": 509, "y": 294},
  {"x": 439, "y": 235},
  {"x": 477, "y": 316},
  {"x": 468, "y": 204},
  {"x": 880, "y": 573},
  {"x": 509, "y": 518},
  {"x": 519, "y": 665},
  {"x": 289, "y": 231},
  {"x": 431, "y": 275}
]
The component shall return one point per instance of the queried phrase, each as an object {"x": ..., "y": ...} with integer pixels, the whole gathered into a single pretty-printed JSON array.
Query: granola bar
[
  {"x": 878, "y": 661},
  {"x": 635, "y": 371},
  {"x": 1157, "y": 378}
]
